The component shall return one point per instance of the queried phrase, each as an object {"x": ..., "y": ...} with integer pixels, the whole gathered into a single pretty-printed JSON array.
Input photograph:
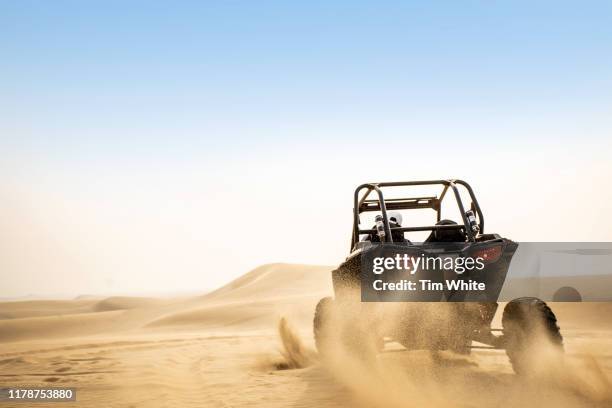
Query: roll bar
[{"x": 379, "y": 204}]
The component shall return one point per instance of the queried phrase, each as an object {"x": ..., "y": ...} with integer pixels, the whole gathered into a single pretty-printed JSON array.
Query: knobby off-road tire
[
  {"x": 530, "y": 330},
  {"x": 335, "y": 331},
  {"x": 322, "y": 325}
]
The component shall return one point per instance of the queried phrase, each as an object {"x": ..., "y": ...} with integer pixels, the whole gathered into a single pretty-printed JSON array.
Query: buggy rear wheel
[
  {"x": 346, "y": 332},
  {"x": 322, "y": 325},
  {"x": 531, "y": 335}
]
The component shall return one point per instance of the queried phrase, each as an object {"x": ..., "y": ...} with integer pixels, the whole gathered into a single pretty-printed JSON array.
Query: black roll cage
[{"x": 380, "y": 204}]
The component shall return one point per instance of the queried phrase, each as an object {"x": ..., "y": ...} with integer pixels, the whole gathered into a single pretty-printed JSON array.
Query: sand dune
[
  {"x": 125, "y": 303},
  {"x": 257, "y": 299},
  {"x": 68, "y": 325},
  {"x": 254, "y": 300},
  {"x": 38, "y": 308},
  {"x": 274, "y": 280},
  {"x": 222, "y": 349}
]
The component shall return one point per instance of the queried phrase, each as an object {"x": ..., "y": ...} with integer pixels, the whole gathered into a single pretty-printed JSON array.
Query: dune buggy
[{"x": 443, "y": 320}]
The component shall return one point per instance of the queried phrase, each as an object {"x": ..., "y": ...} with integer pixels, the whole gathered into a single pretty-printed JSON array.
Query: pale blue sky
[
  {"x": 92, "y": 75},
  {"x": 129, "y": 128}
]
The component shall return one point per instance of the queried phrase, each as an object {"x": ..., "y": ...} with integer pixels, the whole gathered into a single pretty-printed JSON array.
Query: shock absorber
[
  {"x": 380, "y": 227},
  {"x": 472, "y": 220}
]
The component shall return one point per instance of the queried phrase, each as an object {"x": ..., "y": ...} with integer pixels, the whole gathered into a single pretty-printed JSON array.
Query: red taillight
[{"x": 488, "y": 254}]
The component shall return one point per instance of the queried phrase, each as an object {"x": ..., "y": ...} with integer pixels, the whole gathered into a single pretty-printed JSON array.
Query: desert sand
[{"x": 249, "y": 344}]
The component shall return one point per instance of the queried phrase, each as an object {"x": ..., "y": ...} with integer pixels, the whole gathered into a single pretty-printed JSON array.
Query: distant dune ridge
[
  {"x": 249, "y": 343},
  {"x": 255, "y": 301}
]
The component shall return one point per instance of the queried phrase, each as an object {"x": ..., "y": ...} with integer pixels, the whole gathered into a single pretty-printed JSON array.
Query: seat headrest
[{"x": 447, "y": 235}]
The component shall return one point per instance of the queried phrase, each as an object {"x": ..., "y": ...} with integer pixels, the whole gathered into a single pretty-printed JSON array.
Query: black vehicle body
[{"x": 432, "y": 320}]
